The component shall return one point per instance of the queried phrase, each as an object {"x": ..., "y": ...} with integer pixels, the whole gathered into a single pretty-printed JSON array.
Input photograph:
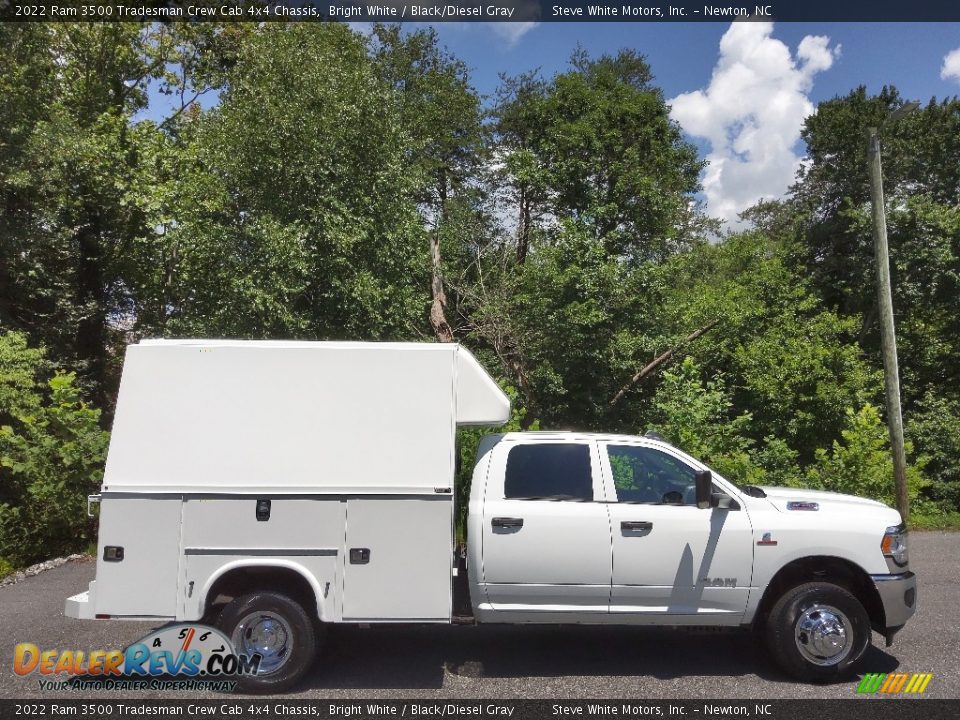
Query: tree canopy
[{"x": 308, "y": 181}]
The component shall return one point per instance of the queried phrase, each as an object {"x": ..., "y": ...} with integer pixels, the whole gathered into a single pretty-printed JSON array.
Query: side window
[
  {"x": 646, "y": 475},
  {"x": 549, "y": 471}
]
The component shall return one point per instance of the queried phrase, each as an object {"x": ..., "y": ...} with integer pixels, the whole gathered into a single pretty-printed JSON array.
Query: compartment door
[
  {"x": 398, "y": 559},
  {"x": 144, "y": 583}
]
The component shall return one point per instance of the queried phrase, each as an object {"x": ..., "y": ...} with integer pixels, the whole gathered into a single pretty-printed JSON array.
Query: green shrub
[
  {"x": 696, "y": 416},
  {"x": 776, "y": 464},
  {"x": 860, "y": 463},
  {"x": 933, "y": 427},
  {"x": 51, "y": 457}
]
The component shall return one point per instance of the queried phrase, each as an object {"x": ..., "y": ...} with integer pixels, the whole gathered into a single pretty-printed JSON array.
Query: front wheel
[
  {"x": 818, "y": 631},
  {"x": 276, "y": 628}
]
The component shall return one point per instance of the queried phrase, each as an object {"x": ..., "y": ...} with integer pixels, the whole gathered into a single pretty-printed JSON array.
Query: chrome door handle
[
  {"x": 636, "y": 525},
  {"x": 507, "y": 522}
]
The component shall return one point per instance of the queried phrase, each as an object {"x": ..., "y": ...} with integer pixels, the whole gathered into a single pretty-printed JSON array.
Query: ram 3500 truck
[{"x": 271, "y": 488}]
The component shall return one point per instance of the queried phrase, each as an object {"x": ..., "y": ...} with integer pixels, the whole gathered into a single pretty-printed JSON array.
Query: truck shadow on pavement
[{"x": 389, "y": 657}]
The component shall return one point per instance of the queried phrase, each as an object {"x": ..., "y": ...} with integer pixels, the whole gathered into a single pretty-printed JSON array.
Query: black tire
[
  {"x": 277, "y": 617},
  {"x": 212, "y": 616},
  {"x": 818, "y": 631}
]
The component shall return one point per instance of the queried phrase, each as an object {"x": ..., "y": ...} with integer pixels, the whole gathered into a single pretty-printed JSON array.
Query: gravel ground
[
  {"x": 40, "y": 567},
  {"x": 524, "y": 662}
]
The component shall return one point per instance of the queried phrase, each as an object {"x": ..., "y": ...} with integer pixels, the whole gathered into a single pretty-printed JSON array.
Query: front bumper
[{"x": 898, "y": 594}]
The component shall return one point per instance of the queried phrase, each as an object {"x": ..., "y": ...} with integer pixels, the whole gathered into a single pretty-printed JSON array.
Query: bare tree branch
[{"x": 662, "y": 358}]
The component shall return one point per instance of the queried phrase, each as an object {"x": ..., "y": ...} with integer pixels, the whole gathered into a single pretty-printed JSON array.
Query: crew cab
[{"x": 273, "y": 488}]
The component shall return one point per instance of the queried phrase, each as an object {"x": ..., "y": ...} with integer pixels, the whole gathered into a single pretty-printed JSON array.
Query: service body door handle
[
  {"x": 636, "y": 525},
  {"x": 507, "y": 522}
]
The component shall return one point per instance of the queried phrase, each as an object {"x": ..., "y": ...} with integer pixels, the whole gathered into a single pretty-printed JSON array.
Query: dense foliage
[
  {"x": 308, "y": 181},
  {"x": 51, "y": 455}
]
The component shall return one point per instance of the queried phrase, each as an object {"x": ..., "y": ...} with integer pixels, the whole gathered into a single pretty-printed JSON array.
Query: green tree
[
  {"x": 790, "y": 362},
  {"x": 826, "y": 224},
  {"x": 294, "y": 214},
  {"x": 596, "y": 144},
  {"x": 442, "y": 117},
  {"x": 859, "y": 463},
  {"x": 833, "y": 230},
  {"x": 568, "y": 325},
  {"x": 697, "y": 415},
  {"x": 68, "y": 215},
  {"x": 51, "y": 457},
  {"x": 518, "y": 126},
  {"x": 932, "y": 428}
]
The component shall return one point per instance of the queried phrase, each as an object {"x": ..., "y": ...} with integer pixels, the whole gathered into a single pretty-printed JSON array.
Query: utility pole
[{"x": 888, "y": 336}]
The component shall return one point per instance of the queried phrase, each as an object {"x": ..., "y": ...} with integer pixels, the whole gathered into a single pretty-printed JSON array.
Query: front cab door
[{"x": 671, "y": 558}]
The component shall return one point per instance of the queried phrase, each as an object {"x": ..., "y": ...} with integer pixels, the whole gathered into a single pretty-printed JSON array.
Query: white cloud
[
  {"x": 512, "y": 31},
  {"x": 751, "y": 114},
  {"x": 951, "y": 66}
]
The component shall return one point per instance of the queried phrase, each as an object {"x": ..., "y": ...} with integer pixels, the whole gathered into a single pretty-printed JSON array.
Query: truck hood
[{"x": 780, "y": 496}]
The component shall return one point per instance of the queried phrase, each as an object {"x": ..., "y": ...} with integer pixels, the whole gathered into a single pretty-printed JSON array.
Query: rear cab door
[{"x": 546, "y": 529}]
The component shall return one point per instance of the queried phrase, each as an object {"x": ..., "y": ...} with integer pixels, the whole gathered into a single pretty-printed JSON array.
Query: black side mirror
[{"x": 704, "y": 484}]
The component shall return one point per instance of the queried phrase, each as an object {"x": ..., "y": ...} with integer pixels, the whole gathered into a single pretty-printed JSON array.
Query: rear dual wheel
[{"x": 278, "y": 629}]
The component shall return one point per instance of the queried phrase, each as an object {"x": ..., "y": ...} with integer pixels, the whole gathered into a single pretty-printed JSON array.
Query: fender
[
  {"x": 296, "y": 567},
  {"x": 806, "y": 568}
]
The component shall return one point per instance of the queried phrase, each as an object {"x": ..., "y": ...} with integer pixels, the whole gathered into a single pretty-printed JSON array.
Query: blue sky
[
  {"x": 908, "y": 55},
  {"x": 740, "y": 91}
]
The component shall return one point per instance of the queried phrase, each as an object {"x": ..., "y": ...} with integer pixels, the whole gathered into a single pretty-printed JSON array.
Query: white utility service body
[
  {"x": 352, "y": 444},
  {"x": 324, "y": 472}
]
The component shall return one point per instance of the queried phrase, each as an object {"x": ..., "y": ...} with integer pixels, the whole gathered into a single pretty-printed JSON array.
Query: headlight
[{"x": 894, "y": 544}]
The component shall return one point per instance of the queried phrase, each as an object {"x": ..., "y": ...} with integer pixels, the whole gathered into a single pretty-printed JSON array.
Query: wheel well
[
  {"x": 245, "y": 580},
  {"x": 824, "y": 568}
]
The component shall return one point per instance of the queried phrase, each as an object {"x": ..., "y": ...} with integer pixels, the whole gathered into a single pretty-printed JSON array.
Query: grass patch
[{"x": 946, "y": 521}]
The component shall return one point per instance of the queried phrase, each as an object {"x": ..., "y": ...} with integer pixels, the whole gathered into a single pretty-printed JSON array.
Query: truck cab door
[
  {"x": 670, "y": 557},
  {"x": 546, "y": 536}
]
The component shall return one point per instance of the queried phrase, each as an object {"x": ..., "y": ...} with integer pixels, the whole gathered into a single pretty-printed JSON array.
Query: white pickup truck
[{"x": 271, "y": 488}]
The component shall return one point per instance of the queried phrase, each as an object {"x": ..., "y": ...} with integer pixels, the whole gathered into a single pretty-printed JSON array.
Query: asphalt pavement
[{"x": 503, "y": 661}]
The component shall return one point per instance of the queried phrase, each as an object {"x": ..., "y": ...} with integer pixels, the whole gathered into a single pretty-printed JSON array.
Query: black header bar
[{"x": 435, "y": 11}]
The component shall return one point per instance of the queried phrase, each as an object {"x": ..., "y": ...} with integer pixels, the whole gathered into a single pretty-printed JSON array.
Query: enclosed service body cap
[{"x": 284, "y": 414}]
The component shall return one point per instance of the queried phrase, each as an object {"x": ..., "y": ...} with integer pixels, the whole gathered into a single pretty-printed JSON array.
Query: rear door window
[{"x": 549, "y": 471}]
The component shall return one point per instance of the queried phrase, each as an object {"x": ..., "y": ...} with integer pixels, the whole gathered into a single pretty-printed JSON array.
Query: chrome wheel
[
  {"x": 823, "y": 635},
  {"x": 267, "y": 634}
]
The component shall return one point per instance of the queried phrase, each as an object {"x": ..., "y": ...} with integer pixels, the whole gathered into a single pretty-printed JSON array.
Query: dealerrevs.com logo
[
  {"x": 186, "y": 657},
  {"x": 894, "y": 683}
]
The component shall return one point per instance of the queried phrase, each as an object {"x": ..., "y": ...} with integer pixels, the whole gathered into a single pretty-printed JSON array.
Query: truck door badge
[
  {"x": 766, "y": 540},
  {"x": 719, "y": 582}
]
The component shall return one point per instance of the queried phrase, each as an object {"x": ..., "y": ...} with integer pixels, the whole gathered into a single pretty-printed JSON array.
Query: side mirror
[{"x": 704, "y": 484}]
